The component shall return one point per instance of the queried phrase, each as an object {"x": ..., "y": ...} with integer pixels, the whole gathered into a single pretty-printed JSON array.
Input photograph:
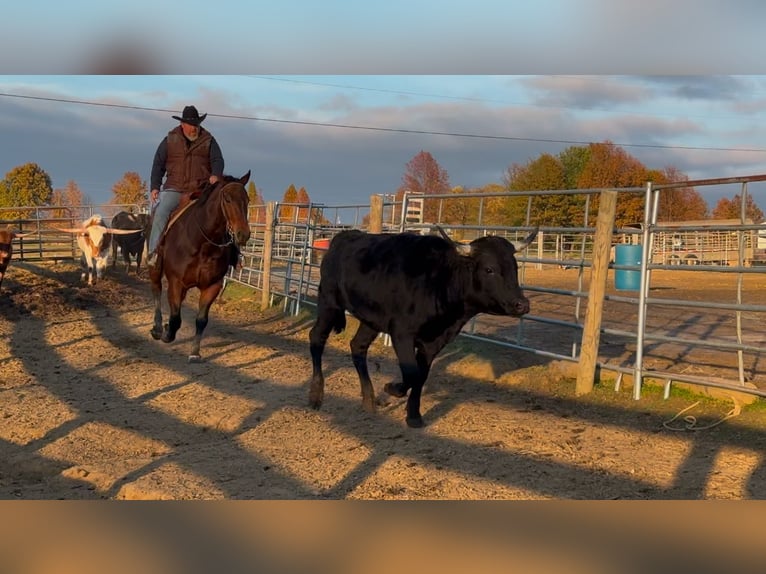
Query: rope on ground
[{"x": 691, "y": 421}]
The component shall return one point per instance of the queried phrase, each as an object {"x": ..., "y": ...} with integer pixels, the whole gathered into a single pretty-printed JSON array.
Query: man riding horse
[{"x": 191, "y": 159}]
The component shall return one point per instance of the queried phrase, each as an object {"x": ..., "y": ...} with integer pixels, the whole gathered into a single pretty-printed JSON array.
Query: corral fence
[
  {"x": 607, "y": 313},
  {"x": 638, "y": 331},
  {"x": 46, "y": 243}
]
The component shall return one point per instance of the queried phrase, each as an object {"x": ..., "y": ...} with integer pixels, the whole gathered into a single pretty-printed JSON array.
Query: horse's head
[{"x": 234, "y": 201}]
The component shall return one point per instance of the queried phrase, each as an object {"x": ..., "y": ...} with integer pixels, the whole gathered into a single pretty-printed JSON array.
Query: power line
[{"x": 380, "y": 129}]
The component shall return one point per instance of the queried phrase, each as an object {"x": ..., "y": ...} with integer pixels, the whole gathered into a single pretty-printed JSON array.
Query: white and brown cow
[
  {"x": 6, "y": 248},
  {"x": 94, "y": 239}
]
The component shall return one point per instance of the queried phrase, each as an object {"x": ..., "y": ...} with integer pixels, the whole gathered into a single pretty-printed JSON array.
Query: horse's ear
[{"x": 245, "y": 178}]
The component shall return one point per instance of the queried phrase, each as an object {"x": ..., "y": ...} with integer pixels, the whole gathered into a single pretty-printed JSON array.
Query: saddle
[{"x": 187, "y": 200}]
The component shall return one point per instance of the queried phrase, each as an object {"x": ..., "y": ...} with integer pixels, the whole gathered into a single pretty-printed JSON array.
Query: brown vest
[{"x": 188, "y": 164}]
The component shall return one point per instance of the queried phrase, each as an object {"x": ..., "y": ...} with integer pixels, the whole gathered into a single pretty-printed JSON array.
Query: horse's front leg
[
  {"x": 206, "y": 298},
  {"x": 176, "y": 294},
  {"x": 155, "y": 276}
]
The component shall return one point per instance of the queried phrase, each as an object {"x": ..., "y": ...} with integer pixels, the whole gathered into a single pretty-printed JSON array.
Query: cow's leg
[
  {"x": 100, "y": 267},
  {"x": 176, "y": 294},
  {"x": 327, "y": 319},
  {"x": 361, "y": 342},
  {"x": 206, "y": 298},
  {"x": 114, "y": 253},
  {"x": 412, "y": 379},
  {"x": 139, "y": 256},
  {"x": 155, "y": 276}
]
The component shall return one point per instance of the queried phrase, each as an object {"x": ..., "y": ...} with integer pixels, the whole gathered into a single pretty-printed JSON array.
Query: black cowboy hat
[{"x": 191, "y": 116}]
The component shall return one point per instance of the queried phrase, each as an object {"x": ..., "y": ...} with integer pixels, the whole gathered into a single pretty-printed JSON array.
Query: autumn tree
[
  {"x": 544, "y": 173},
  {"x": 423, "y": 174},
  {"x": 461, "y": 210},
  {"x": 502, "y": 209},
  {"x": 287, "y": 209},
  {"x": 68, "y": 199},
  {"x": 256, "y": 210},
  {"x": 731, "y": 209},
  {"x": 573, "y": 161},
  {"x": 27, "y": 185},
  {"x": 611, "y": 167},
  {"x": 131, "y": 189},
  {"x": 678, "y": 203},
  {"x": 303, "y": 201}
]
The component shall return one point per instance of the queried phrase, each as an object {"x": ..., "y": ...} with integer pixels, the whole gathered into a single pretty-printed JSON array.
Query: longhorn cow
[{"x": 94, "y": 239}]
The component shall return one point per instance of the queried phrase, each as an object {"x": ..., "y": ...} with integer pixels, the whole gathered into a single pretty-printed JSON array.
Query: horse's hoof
[
  {"x": 415, "y": 422},
  {"x": 156, "y": 334},
  {"x": 395, "y": 390},
  {"x": 369, "y": 405},
  {"x": 167, "y": 338},
  {"x": 195, "y": 358}
]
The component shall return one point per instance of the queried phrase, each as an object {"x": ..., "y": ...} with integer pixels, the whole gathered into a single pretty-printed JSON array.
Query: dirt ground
[{"x": 91, "y": 407}]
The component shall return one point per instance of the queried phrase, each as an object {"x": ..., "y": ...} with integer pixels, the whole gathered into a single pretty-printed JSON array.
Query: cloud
[
  {"x": 585, "y": 92},
  {"x": 717, "y": 88},
  {"x": 95, "y": 145}
]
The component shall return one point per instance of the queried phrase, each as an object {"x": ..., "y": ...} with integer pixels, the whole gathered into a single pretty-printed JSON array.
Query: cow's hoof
[
  {"x": 315, "y": 401},
  {"x": 415, "y": 422},
  {"x": 395, "y": 390},
  {"x": 156, "y": 334},
  {"x": 195, "y": 358}
]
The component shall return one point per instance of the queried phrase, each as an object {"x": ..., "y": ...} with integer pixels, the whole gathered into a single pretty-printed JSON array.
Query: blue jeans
[{"x": 169, "y": 200}]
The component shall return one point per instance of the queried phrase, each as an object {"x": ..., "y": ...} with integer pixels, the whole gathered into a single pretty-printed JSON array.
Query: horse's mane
[{"x": 207, "y": 191}]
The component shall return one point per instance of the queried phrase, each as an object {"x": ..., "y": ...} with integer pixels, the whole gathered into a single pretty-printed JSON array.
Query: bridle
[{"x": 229, "y": 230}]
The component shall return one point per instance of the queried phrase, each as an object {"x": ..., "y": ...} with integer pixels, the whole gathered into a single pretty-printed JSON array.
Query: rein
[{"x": 229, "y": 233}]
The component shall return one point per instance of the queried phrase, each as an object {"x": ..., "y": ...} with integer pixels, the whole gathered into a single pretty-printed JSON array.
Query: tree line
[{"x": 593, "y": 166}]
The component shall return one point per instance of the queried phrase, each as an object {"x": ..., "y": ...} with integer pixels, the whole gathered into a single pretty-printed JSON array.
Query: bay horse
[{"x": 196, "y": 250}]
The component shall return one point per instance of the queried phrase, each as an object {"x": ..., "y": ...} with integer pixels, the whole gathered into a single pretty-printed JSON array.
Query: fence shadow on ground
[{"x": 221, "y": 458}]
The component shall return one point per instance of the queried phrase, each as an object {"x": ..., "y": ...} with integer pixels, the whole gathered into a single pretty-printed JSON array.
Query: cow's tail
[{"x": 339, "y": 321}]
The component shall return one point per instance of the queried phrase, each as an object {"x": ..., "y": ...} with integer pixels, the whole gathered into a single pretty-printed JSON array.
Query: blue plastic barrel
[{"x": 624, "y": 279}]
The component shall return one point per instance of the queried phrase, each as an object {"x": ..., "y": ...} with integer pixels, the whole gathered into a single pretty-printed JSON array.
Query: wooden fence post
[
  {"x": 376, "y": 213},
  {"x": 268, "y": 246},
  {"x": 591, "y": 334}
]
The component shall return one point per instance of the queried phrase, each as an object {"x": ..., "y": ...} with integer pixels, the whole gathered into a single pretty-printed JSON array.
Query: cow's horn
[
  {"x": 114, "y": 231},
  {"x": 71, "y": 229},
  {"x": 520, "y": 246},
  {"x": 442, "y": 232}
]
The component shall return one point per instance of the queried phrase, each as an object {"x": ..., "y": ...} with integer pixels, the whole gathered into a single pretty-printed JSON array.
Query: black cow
[
  {"x": 420, "y": 289},
  {"x": 130, "y": 244}
]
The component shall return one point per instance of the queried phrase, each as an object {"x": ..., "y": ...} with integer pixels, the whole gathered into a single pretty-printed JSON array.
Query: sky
[
  {"x": 338, "y": 96},
  {"x": 345, "y": 137}
]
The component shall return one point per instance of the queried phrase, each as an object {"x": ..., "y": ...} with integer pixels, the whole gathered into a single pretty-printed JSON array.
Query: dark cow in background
[
  {"x": 94, "y": 239},
  {"x": 130, "y": 245},
  {"x": 7, "y": 236},
  {"x": 420, "y": 289}
]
